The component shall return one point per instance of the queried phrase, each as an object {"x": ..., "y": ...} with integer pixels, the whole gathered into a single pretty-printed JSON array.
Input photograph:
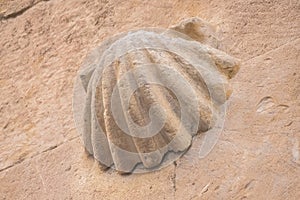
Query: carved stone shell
[{"x": 141, "y": 96}]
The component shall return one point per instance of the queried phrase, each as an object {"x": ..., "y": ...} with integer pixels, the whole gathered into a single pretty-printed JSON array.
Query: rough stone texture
[{"x": 43, "y": 46}]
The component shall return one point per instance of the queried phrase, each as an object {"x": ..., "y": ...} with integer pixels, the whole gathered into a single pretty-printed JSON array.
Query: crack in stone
[
  {"x": 174, "y": 180},
  {"x": 276, "y": 48},
  {"x": 20, "y": 12},
  {"x": 33, "y": 156},
  {"x": 5, "y": 168}
]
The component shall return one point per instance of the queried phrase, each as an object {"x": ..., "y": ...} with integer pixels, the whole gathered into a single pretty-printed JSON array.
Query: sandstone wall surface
[{"x": 43, "y": 43}]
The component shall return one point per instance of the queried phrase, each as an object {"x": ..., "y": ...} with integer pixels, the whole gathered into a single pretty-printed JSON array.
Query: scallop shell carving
[{"x": 141, "y": 96}]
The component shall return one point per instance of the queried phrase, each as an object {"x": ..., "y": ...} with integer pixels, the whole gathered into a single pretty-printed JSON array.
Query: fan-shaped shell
[{"x": 146, "y": 93}]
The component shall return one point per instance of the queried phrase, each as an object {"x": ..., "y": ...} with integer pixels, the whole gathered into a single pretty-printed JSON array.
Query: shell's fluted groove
[{"x": 141, "y": 96}]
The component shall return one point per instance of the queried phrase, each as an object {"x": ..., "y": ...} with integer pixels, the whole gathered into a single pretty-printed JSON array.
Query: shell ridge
[
  {"x": 155, "y": 156},
  {"x": 151, "y": 159},
  {"x": 116, "y": 149}
]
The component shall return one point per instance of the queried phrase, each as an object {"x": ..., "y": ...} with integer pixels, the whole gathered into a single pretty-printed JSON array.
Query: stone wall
[{"x": 43, "y": 44}]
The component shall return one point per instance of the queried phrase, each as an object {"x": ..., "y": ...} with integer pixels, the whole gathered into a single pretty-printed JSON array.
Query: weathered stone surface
[
  {"x": 79, "y": 178},
  {"x": 42, "y": 49}
]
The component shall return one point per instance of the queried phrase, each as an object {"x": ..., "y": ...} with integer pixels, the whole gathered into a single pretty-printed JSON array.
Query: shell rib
[{"x": 141, "y": 96}]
